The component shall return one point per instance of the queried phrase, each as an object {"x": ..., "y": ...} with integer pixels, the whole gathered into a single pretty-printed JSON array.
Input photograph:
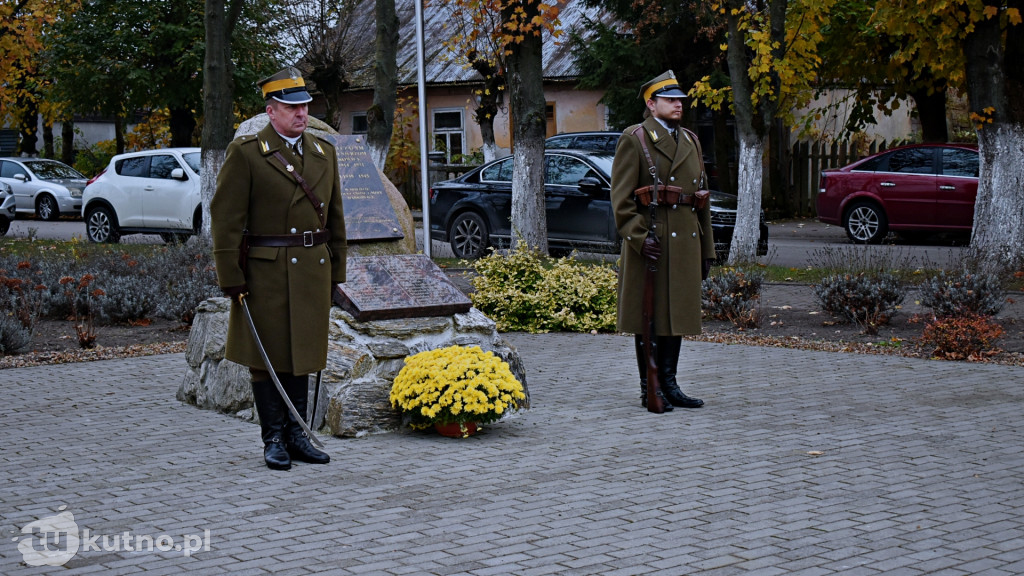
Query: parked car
[
  {"x": 149, "y": 192},
  {"x": 47, "y": 188},
  {"x": 593, "y": 141},
  {"x": 606, "y": 142},
  {"x": 916, "y": 188},
  {"x": 473, "y": 212},
  {"x": 7, "y": 209}
]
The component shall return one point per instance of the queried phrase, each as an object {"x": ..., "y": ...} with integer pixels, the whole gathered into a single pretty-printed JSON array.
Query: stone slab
[
  {"x": 369, "y": 215},
  {"x": 402, "y": 286}
]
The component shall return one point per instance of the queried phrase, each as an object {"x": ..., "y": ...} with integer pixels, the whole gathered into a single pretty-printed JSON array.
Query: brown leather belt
[{"x": 305, "y": 239}]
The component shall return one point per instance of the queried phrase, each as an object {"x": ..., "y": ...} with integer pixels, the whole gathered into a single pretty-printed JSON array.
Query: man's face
[
  {"x": 670, "y": 110},
  {"x": 288, "y": 119}
]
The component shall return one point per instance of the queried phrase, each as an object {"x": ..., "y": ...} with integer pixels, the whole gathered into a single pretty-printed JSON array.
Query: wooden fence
[{"x": 808, "y": 159}]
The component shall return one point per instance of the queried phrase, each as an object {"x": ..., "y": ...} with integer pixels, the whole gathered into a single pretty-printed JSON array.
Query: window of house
[
  {"x": 549, "y": 119},
  {"x": 359, "y": 125},
  {"x": 449, "y": 134}
]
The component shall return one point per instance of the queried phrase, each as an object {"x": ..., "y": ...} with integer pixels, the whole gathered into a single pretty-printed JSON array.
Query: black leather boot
[
  {"x": 641, "y": 363},
  {"x": 271, "y": 410},
  {"x": 296, "y": 440},
  {"x": 668, "y": 360}
]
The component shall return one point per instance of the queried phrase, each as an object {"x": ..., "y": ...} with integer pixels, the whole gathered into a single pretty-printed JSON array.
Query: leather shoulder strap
[
  {"x": 317, "y": 204},
  {"x": 639, "y": 132}
]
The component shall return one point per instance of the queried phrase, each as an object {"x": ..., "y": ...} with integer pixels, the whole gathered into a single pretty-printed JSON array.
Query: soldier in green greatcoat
[
  {"x": 284, "y": 248},
  {"x": 678, "y": 240}
]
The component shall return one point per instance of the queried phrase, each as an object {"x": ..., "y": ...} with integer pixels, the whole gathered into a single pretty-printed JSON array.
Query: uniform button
[
  {"x": 321, "y": 260},
  {"x": 694, "y": 235},
  {"x": 671, "y": 178},
  {"x": 322, "y": 204},
  {"x": 694, "y": 180},
  {"x": 294, "y": 230},
  {"x": 674, "y": 206},
  {"x": 673, "y": 234},
  {"x": 295, "y": 260},
  {"x": 629, "y": 237}
]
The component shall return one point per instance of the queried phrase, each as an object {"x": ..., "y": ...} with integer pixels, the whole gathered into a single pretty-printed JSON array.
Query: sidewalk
[{"x": 801, "y": 463}]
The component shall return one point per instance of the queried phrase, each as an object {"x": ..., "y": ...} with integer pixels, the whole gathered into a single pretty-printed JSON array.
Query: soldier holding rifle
[
  {"x": 279, "y": 245},
  {"x": 662, "y": 214}
]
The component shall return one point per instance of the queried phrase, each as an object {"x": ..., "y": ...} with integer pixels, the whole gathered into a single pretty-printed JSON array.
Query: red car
[{"x": 916, "y": 188}]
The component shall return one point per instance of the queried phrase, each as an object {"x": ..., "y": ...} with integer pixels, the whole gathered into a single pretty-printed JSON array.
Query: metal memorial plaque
[
  {"x": 369, "y": 215},
  {"x": 404, "y": 286}
]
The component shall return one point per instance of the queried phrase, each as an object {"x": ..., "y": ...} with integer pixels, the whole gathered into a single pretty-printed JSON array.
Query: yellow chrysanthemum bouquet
[{"x": 455, "y": 385}]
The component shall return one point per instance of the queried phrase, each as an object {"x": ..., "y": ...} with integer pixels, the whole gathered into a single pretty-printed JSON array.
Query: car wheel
[
  {"x": 865, "y": 223},
  {"x": 101, "y": 225},
  {"x": 469, "y": 236},
  {"x": 47, "y": 208}
]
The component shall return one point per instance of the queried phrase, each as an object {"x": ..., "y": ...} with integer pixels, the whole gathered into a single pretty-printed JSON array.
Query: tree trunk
[
  {"x": 381, "y": 116},
  {"x": 931, "y": 109},
  {"x": 490, "y": 101},
  {"x": 748, "y": 210},
  {"x": 753, "y": 126},
  {"x": 182, "y": 126},
  {"x": 67, "y": 142},
  {"x": 724, "y": 145},
  {"x": 47, "y": 139},
  {"x": 119, "y": 134},
  {"x": 995, "y": 79},
  {"x": 526, "y": 87},
  {"x": 218, "y": 97},
  {"x": 29, "y": 145}
]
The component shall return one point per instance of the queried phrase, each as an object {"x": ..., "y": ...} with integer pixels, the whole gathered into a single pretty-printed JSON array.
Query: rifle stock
[{"x": 654, "y": 401}]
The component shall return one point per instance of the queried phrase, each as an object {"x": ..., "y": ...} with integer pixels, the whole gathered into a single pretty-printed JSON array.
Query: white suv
[{"x": 149, "y": 192}]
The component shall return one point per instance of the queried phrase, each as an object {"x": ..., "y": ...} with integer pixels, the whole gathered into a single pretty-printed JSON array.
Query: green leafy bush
[
  {"x": 961, "y": 293},
  {"x": 964, "y": 336},
  {"x": 524, "y": 291},
  {"x": 869, "y": 300},
  {"x": 731, "y": 295}
]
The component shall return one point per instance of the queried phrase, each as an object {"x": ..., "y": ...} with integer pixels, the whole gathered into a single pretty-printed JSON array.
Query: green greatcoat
[
  {"x": 290, "y": 287},
  {"x": 685, "y": 234}
]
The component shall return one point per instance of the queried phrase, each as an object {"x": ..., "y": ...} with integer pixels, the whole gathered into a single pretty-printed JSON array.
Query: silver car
[
  {"x": 6, "y": 208},
  {"x": 47, "y": 188}
]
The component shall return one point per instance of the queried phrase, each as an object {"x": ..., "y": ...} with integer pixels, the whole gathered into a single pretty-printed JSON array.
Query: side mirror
[
  {"x": 589, "y": 184},
  {"x": 21, "y": 177},
  {"x": 178, "y": 174}
]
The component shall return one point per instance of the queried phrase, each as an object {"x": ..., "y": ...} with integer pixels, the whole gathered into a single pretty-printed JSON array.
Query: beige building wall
[
  {"x": 835, "y": 109},
  {"x": 573, "y": 111}
]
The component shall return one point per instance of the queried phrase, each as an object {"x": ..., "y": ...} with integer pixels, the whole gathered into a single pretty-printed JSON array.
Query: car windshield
[
  {"x": 52, "y": 170},
  {"x": 193, "y": 161}
]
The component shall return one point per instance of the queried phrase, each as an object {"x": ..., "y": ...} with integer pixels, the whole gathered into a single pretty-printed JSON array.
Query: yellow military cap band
[
  {"x": 283, "y": 84},
  {"x": 649, "y": 93}
]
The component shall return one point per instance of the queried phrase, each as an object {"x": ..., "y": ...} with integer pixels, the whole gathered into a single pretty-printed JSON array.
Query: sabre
[{"x": 273, "y": 375}]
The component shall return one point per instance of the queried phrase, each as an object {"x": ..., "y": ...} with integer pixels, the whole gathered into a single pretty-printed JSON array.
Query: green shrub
[
  {"x": 958, "y": 294},
  {"x": 967, "y": 335},
  {"x": 731, "y": 295},
  {"x": 869, "y": 300},
  {"x": 524, "y": 291}
]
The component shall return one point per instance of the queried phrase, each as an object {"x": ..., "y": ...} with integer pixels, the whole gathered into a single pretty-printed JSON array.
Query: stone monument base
[{"x": 363, "y": 359}]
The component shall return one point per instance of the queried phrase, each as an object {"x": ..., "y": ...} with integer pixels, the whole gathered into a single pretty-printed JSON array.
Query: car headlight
[{"x": 75, "y": 192}]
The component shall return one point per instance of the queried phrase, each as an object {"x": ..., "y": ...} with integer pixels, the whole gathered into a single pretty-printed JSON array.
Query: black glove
[
  {"x": 706, "y": 268},
  {"x": 651, "y": 248},
  {"x": 234, "y": 292}
]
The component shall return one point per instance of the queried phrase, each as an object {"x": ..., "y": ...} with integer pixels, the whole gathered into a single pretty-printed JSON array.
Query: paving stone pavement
[{"x": 806, "y": 463}]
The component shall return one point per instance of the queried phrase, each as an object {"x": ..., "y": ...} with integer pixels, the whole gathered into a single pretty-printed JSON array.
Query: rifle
[{"x": 654, "y": 401}]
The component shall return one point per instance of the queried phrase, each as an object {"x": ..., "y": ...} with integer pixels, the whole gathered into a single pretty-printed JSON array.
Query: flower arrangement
[{"x": 455, "y": 385}]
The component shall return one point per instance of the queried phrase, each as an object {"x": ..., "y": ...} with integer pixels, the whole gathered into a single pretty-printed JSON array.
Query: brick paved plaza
[{"x": 801, "y": 463}]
